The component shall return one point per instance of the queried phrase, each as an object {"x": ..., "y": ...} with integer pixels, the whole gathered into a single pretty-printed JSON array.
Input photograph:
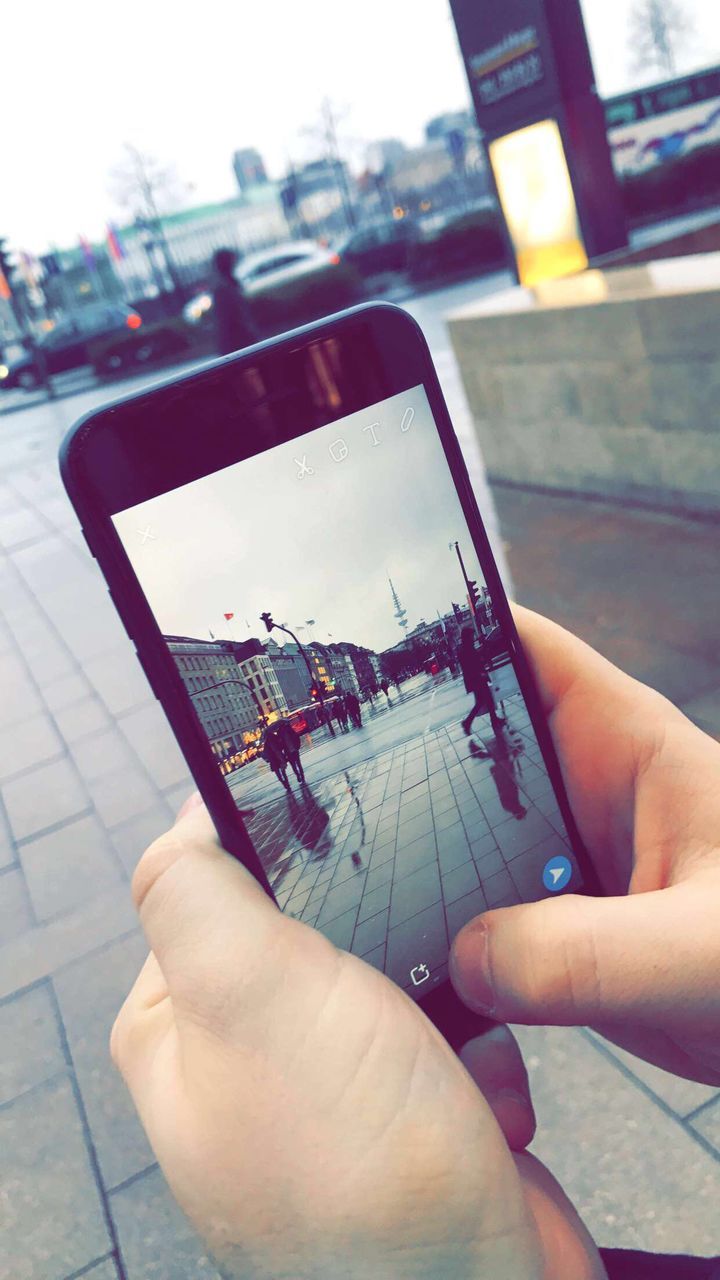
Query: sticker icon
[
  {"x": 419, "y": 974},
  {"x": 556, "y": 873}
]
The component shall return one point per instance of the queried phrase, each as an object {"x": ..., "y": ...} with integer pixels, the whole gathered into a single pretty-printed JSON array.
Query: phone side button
[{"x": 148, "y": 675}]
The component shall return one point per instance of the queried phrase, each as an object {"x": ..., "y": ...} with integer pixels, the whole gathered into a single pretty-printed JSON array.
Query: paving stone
[
  {"x": 119, "y": 679},
  {"x": 119, "y": 796},
  {"x": 28, "y": 743},
  {"x": 707, "y": 1123},
  {"x": 156, "y": 1239},
  {"x": 43, "y": 949},
  {"x": 49, "y": 794},
  {"x": 81, "y": 719},
  {"x": 682, "y": 1095},
  {"x": 498, "y": 887},
  {"x": 7, "y": 850},
  {"x": 423, "y": 935},
  {"x": 151, "y": 737},
  {"x": 30, "y": 1046},
  {"x": 90, "y": 994},
  {"x": 52, "y": 1216},
  {"x": 340, "y": 929},
  {"x": 377, "y": 900},
  {"x": 637, "y": 1177},
  {"x": 20, "y": 697},
  {"x": 456, "y": 884},
  {"x": 15, "y": 912},
  {"x": 70, "y": 867},
  {"x": 370, "y": 934},
  {"x": 516, "y": 835},
  {"x": 103, "y": 753},
  {"x": 414, "y": 893},
  {"x": 102, "y": 1271},
  {"x": 66, "y": 690}
]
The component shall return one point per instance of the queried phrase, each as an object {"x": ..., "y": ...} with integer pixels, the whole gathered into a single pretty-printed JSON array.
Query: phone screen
[{"x": 375, "y": 741}]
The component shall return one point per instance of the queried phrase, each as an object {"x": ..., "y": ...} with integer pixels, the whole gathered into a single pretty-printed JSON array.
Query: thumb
[{"x": 648, "y": 958}]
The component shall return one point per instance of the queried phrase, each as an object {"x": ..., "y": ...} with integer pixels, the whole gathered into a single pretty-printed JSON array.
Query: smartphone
[{"x": 291, "y": 540}]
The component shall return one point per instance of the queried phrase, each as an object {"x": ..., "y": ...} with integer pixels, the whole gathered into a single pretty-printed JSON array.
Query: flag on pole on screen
[
  {"x": 114, "y": 243},
  {"x": 87, "y": 252},
  {"x": 228, "y": 616}
]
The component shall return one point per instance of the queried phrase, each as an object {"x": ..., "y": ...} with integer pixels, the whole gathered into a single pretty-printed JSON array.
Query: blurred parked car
[
  {"x": 288, "y": 284},
  {"x": 68, "y": 345},
  {"x": 458, "y": 244},
  {"x": 378, "y": 249}
]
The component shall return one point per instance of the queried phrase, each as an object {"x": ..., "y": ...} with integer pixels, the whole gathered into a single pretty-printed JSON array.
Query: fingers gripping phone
[{"x": 291, "y": 540}]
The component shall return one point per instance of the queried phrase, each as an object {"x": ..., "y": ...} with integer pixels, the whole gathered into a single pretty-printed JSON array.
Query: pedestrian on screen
[
  {"x": 234, "y": 325},
  {"x": 290, "y": 742},
  {"x": 275, "y": 756},
  {"x": 352, "y": 703},
  {"x": 477, "y": 683}
]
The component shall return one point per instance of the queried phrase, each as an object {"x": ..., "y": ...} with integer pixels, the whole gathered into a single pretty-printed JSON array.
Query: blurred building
[
  {"x": 345, "y": 674},
  {"x": 437, "y": 129},
  {"x": 249, "y": 169},
  {"x": 218, "y": 691},
  {"x": 256, "y": 668},
  {"x": 290, "y": 672},
  {"x": 365, "y": 664},
  {"x": 385, "y": 153}
]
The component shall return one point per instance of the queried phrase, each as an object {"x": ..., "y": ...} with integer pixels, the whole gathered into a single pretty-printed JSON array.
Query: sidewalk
[{"x": 89, "y": 774}]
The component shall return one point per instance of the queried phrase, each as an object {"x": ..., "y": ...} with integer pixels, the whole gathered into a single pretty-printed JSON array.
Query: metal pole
[
  {"x": 468, "y": 592},
  {"x": 327, "y": 718}
]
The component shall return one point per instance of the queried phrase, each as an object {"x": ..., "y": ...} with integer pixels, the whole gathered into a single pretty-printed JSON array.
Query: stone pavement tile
[
  {"x": 176, "y": 796},
  {"x": 89, "y": 995},
  {"x": 27, "y": 743},
  {"x": 414, "y": 828},
  {"x": 410, "y": 857},
  {"x": 85, "y": 619},
  {"x": 80, "y": 719},
  {"x": 15, "y": 910},
  {"x": 635, "y": 1174},
  {"x": 69, "y": 867},
  {"x": 51, "y": 562},
  {"x": 498, "y": 887},
  {"x": 7, "y": 851},
  {"x": 459, "y": 882},
  {"x": 20, "y": 698},
  {"x": 377, "y": 900},
  {"x": 379, "y": 875},
  {"x": 30, "y": 1047},
  {"x": 151, "y": 737},
  {"x": 340, "y": 930},
  {"x": 53, "y": 1222},
  {"x": 370, "y": 935},
  {"x": 707, "y": 1123},
  {"x": 453, "y": 848},
  {"x": 156, "y": 1240},
  {"x": 20, "y": 526},
  {"x": 37, "y": 952},
  {"x": 515, "y": 835},
  {"x": 48, "y": 795},
  {"x": 119, "y": 796},
  {"x": 340, "y": 898},
  {"x": 413, "y": 893},
  {"x": 102, "y": 753},
  {"x": 683, "y": 1096},
  {"x": 102, "y": 1271},
  {"x": 66, "y": 690},
  {"x": 119, "y": 679}
]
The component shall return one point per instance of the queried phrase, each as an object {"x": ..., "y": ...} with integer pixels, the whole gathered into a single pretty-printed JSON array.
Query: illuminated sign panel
[{"x": 537, "y": 198}]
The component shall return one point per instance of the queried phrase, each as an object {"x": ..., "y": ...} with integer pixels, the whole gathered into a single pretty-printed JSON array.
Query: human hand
[
  {"x": 308, "y": 1117},
  {"x": 643, "y": 965}
]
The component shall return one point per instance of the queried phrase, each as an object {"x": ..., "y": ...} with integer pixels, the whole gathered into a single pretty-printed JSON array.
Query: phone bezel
[{"x": 118, "y": 456}]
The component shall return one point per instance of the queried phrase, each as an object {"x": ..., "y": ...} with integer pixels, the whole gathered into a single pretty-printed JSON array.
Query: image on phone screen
[{"x": 327, "y": 613}]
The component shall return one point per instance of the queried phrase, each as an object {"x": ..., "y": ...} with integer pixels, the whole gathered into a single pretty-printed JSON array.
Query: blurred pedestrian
[
  {"x": 275, "y": 756},
  {"x": 290, "y": 742},
  {"x": 234, "y": 324},
  {"x": 352, "y": 703},
  {"x": 341, "y": 712},
  {"x": 477, "y": 683}
]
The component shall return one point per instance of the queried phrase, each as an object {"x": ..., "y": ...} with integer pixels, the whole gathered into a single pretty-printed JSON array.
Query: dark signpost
[{"x": 528, "y": 64}]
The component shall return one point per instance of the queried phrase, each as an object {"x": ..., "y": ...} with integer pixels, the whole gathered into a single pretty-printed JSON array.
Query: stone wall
[{"x": 618, "y": 398}]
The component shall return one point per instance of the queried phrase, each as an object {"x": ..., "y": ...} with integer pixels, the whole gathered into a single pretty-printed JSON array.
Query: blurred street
[{"x": 89, "y": 774}]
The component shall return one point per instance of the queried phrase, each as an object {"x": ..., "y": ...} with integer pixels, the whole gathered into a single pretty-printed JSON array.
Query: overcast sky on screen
[
  {"x": 190, "y": 84},
  {"x": 258, "y": 537}
]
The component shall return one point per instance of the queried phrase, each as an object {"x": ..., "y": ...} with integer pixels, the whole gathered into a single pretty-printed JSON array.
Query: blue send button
[{"x": 556, "y": 873}]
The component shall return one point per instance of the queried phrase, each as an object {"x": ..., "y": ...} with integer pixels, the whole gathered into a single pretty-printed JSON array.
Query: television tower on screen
[{"x": 400, "y": 613}]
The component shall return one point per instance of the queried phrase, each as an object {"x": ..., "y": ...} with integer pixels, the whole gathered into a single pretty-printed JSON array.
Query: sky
[
  {"x": 189, "y": 84},
  {"x": 214, "y": 546}
]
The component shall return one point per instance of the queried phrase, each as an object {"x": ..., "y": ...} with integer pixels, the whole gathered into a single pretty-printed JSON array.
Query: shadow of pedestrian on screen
[
  {"x": 505, "y": 751},
  {"x": 309, "y": 821}
]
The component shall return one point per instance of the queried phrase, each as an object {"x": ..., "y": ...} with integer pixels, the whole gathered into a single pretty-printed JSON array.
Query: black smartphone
[{"x": 291, "y": 539}]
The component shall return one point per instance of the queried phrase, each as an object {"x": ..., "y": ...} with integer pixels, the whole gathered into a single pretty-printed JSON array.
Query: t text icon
[{"x": 556, "y": 873}]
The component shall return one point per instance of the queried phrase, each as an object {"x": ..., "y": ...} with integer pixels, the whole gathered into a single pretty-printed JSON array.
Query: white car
[{"x": 285, "y": 266}]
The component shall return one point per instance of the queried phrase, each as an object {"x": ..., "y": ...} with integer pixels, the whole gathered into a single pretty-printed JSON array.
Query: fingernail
[
  {"x": 513, "y": 1108},
  {"x": 470, "y": 967}
]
